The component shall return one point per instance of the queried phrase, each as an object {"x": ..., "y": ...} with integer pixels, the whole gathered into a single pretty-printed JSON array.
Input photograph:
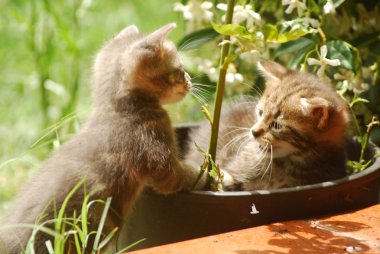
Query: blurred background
[
  {"x": 47, "y": 48},
  {"x": 46, "y": 53}
]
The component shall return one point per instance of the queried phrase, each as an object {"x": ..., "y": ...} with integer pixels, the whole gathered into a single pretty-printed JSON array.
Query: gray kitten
[
  {"x": 293, "y": 135},
  {"x": 127, "y": 142}
]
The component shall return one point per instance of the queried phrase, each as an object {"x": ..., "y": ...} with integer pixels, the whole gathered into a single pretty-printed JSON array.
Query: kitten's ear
[
  {"x": 156, "y": 39},
  {"x": 129, "y": 30},
  {"x": 318, "y": 109},
  {"x": 272, "y": 70}
]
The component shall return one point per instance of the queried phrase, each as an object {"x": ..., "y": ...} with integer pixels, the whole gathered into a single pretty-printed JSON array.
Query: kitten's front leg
[{"x": 180, "y": 177}]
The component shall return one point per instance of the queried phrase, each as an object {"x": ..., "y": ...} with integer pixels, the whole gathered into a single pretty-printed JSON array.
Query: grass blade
[
  {"x": 108, "y": 238},
  {"x": 101, "y": 225},
  {"x": 59, "y": 245},
  {"x": 131, "y": 246},
  {"x": 49, "y": 247}
]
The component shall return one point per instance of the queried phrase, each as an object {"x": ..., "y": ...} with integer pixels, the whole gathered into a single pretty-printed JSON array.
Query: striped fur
[{"x": 294, "y": 134}]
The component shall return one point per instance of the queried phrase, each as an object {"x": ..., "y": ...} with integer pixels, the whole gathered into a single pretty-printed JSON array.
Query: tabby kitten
[
  {"x": 293, "y": 135},
  {"x": 127, "y": 142}
]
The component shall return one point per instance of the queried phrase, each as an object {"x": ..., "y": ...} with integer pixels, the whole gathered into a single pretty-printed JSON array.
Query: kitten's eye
[
  {"x": 259, "y": 112},
  {"x": 177, "y": 76},
  {"x": 275, "y": 125}
]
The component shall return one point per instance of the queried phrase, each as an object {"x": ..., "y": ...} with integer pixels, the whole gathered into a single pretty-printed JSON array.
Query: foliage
[
  {"x": 336, "y": 39},
  {"x": 47, "y": 48},
  {"x": 71, "y": 231}
]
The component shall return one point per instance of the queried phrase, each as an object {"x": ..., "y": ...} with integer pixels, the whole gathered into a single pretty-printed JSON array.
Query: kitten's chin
[
  {"x": 277, "y": 152},
  {"x": 173, "y": 99}
]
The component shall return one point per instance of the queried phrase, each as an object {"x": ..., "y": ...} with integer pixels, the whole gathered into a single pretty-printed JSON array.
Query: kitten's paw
[
  {"x": 228, "y": 180},
  {"x": 192, "y": 174}
]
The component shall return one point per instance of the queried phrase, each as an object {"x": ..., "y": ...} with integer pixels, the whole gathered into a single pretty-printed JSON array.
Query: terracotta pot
[{"x": 165, "y": 219}]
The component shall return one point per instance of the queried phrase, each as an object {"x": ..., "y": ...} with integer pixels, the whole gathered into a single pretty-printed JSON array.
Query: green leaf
[
  {"x": 287, "y": 31},
  {"x": 195, "y": 39},
  {"x": 200, "y": 149},
  {"x": 214, "y": 172},
  {"x": 270, "y": 32},
  {"x": 340, "y": 50},
  {"x": 293, "y": 46},
  {"x": 358, "y": 99},
  {"x": 206, "y": 113},
  {"x": 233, "y": 30},
  {"x": 299, "y": 57},
  {"x": 229, "y": 59}
]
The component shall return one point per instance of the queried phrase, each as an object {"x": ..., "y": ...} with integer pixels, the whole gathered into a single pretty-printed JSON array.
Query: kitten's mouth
[
  {"x": 182, "y": 93},
  {"x": 266, "y": 148}
]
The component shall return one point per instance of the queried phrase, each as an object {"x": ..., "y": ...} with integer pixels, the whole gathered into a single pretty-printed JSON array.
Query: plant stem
[
  {"x": 220, "y": 86},
  {"x": 370, "y": 126}
]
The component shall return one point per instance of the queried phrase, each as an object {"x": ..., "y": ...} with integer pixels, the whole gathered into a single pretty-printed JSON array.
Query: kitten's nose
[
  {"x": 257, "y": 132},
  {"x": 188, "y": 80}
]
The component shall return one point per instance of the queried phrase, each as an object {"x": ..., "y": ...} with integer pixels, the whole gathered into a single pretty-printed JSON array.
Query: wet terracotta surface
[{"x": 351, "y": 232}]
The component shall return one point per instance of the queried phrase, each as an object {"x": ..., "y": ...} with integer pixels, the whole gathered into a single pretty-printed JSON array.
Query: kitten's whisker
[
  {"x": 246, "y": 84},
  {"x": 202, "y": 96},
  {"x": 269, "y": 164},
  {"x": 201, "y": 101},
  {"x": 247, "y": 103},
  {"x": 203, "y": 85},
  {"x": 199, "y": 92},
  {"x": 233, "y": 131},
  {"x": 200, "y": 89},
  {"x": 262, "y": 153},
  {"x": 189, "y": 42},
  {"x": 237, "y": 127},
  {"x": 243, "y": 143},
  {"x": 199, "y": 97},
  {"x": 249, "y": 98},
  {"x": 186, "y": 46},
  {"x": 232, "y": 141},
  {"x": 231, "y": 144},
  {"x": 256, "y": 168},
  {"x": 201, "y": 75}
]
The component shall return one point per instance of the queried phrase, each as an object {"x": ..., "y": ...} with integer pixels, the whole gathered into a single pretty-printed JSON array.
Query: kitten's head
[
  {"x": 147, "y": 63},
  {"x": 298, "y": 112}
]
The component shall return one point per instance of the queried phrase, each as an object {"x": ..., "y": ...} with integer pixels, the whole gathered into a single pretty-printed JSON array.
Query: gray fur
[{"x": 127, "y": 142}]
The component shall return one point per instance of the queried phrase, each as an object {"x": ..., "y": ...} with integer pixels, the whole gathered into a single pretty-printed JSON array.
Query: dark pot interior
[{"x": 165, "y": 219}]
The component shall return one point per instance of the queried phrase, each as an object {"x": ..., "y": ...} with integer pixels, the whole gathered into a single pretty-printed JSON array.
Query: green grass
[{"x": 56, "y": 41}]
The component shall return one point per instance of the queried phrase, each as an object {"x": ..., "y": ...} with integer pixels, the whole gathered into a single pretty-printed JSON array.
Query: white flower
[
  {"x": 207, "y": 67},
  {"x": 294, "y": 4},
  {"x": 234, "y": 77},
  {"x": 310, "y": 21},
  {"x": 185, "y": 9},
  {"x": 251, "y": 57},
  {"x": 329, "y": 7},
  {"x": 323, "y": 61},
  {"x": 195, "y": 12},
  {"x": 243, "y": 13},
  {"x": 351, "y": 82}
]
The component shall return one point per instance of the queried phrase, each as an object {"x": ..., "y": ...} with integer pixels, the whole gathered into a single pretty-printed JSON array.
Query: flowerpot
[{"x": 165, "y": 219}]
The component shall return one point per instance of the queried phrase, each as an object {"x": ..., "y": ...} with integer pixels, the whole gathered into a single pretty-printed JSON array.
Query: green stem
[
  {"x": 354, "y": 119},
  {"x": 220, "y": 86},
  {"x": 44, "y": 99}
]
